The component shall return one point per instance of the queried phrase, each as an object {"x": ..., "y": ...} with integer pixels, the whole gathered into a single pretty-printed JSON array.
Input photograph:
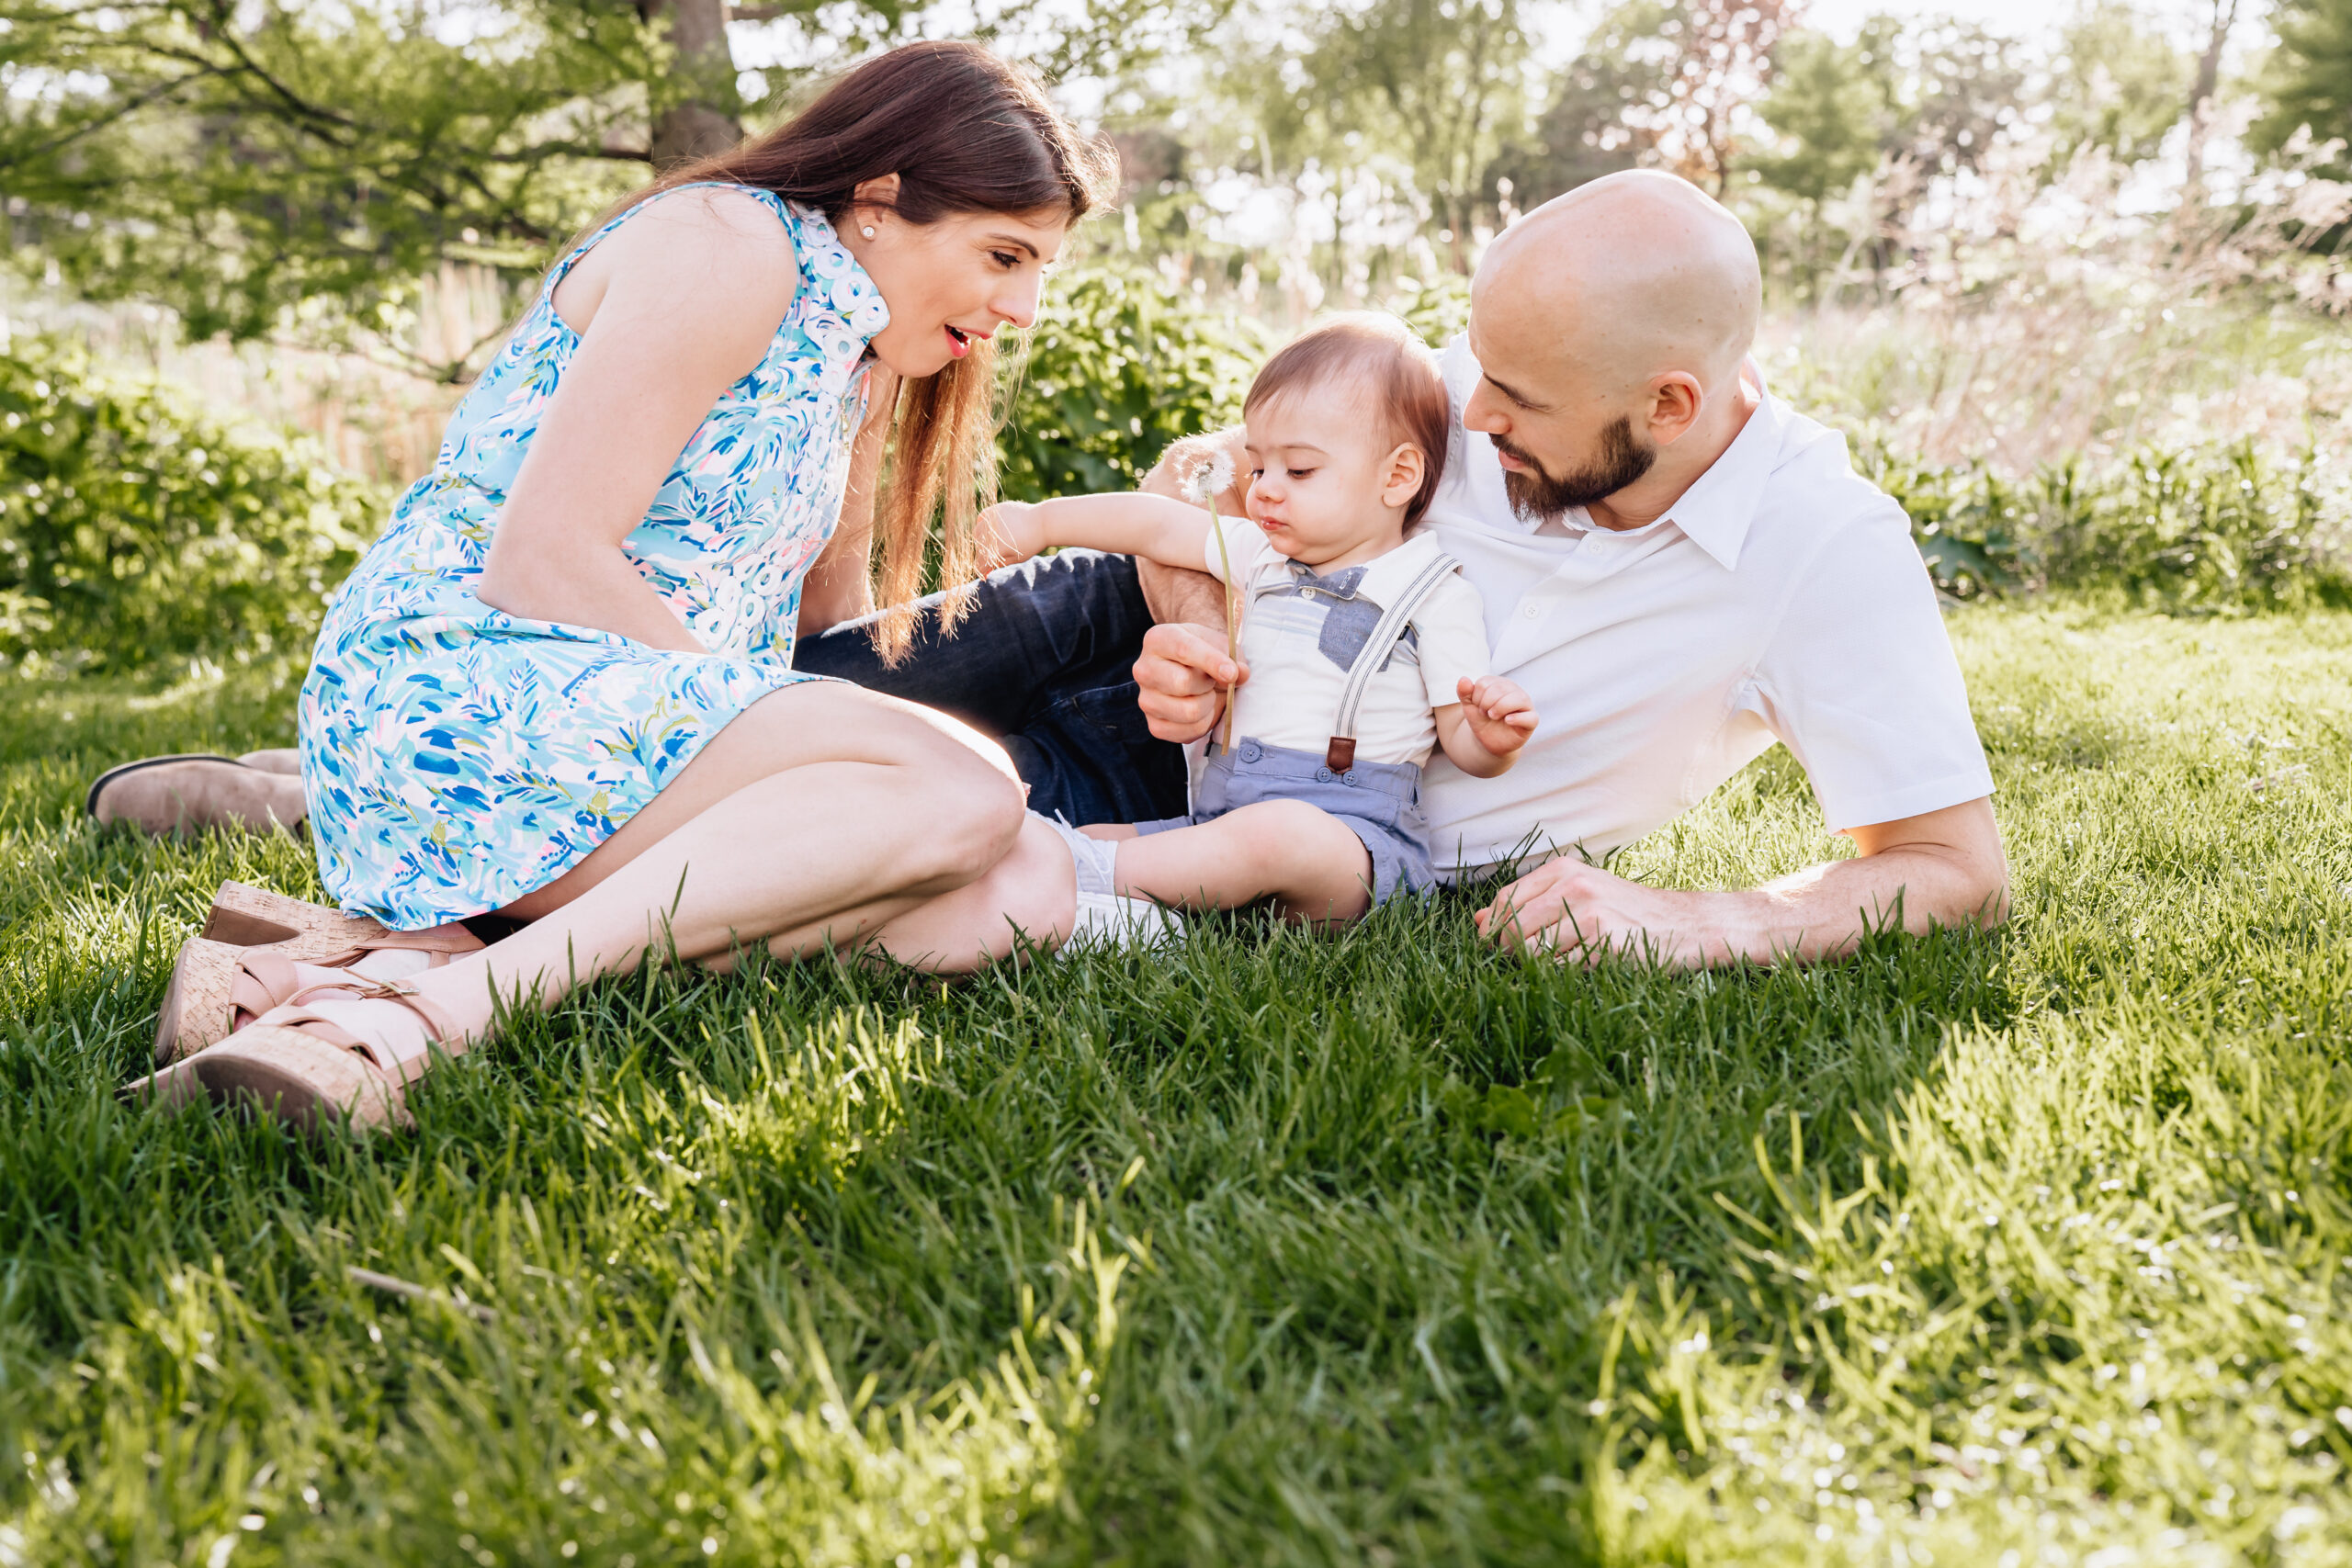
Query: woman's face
[{"x": 952, "y": 282}]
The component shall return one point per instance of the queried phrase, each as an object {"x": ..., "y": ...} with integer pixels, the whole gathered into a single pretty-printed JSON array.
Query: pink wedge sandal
[
  {"x": 301, "y": 1066},
  {"x": 244, "y": 963}
]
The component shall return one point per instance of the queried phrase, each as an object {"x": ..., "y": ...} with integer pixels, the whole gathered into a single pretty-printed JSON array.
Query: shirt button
[{"x": 1532, "y": 611}]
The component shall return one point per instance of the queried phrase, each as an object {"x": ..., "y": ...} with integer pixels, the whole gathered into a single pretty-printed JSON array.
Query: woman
[{"x": 559, "y": 687}]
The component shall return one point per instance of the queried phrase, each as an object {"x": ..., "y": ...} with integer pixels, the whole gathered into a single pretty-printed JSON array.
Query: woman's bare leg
[
  {"x": 816, "y": 817},
  {"x": 1306, "y": 859},
  {"x": 1031, "y": 894}
]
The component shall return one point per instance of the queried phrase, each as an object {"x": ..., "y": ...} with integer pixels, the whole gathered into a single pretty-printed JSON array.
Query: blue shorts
[{"x": 1380, "y": 802}]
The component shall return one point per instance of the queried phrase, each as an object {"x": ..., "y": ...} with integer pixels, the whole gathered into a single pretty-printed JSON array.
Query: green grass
[{"x": 1380, "y": 1249}]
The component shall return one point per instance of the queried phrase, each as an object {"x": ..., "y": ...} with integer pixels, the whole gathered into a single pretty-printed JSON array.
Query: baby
[{"x": 1365, "y": 648}]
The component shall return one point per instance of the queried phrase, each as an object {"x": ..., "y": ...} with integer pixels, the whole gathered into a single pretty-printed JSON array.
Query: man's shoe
[{"x": 182, "y": 794}]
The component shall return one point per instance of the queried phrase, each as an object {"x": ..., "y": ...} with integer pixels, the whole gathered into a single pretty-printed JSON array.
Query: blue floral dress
[{"x": 456, "y": 758}]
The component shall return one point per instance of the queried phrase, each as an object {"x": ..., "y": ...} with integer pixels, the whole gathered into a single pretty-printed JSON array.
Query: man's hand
[
  {"x": 1183, "y": 666},
  {"x": 1008, "y": 532},
  {"x": 1582, "y": 911},
  {"x": 1942, "y": 868},
  {"x": 1499, "y": 713}
]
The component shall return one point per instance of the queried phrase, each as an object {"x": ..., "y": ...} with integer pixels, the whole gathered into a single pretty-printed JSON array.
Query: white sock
[{"x": 1103, "y": 914}]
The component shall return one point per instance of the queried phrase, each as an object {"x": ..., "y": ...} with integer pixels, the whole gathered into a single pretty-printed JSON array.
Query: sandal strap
[
  {"x": 261, "y": 981},
  {"x": 448, "y": 941},
  {"x": 301, "y": 1012}
]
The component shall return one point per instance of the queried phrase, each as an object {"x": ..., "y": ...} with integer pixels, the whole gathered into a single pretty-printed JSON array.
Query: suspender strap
[{"x": 1340, "y": 755}]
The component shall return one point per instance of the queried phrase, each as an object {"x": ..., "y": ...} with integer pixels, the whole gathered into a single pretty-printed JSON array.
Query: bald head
[{"x": 1632, "y": 277}]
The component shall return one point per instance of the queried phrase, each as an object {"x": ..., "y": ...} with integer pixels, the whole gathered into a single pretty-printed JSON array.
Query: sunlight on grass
[{"x": 1380, "y": 1248}]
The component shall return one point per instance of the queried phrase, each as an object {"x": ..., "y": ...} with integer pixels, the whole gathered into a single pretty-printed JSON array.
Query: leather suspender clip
[{"x": 1340, "y": 755}]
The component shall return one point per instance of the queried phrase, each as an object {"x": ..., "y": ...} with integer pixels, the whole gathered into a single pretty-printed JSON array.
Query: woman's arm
[
  {"x": 840, "y": 586},
  {"x": 1153, "y": 526},
  {"x": 680, "y": 303}
]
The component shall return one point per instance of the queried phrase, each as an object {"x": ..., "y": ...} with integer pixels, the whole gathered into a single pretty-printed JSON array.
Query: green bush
[
  {"x": 1120, "y": 363},
  {"x": 2220, "y": 527},
  {"x": 135, "y": 534}
]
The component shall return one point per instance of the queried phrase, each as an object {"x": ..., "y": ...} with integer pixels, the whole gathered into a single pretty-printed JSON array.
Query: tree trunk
[
  {"x": 2200, "y": 101},
  {"x": 697, "y": 117}
]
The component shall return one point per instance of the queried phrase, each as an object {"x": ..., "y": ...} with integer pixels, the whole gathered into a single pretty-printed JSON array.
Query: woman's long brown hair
[{"x": 964, "y": 132}]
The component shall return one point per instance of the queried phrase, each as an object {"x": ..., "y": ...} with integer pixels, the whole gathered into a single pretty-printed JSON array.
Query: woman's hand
[{"x": 1008, "y": 531}]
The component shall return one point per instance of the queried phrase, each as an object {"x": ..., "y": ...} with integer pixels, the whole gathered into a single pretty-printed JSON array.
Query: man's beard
[{"x": 1539, "y": 497}]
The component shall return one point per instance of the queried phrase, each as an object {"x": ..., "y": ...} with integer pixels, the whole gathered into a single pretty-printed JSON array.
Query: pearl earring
[{"x": 868, "y": 231}]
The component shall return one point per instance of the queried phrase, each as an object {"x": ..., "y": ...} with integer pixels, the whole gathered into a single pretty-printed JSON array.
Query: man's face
[{"x": 1560, "y": 445}]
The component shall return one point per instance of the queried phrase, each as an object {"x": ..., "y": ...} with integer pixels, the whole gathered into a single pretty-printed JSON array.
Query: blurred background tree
[
  {"x": 1988, "y": 253},
  {"x": 259, "y": 165}
]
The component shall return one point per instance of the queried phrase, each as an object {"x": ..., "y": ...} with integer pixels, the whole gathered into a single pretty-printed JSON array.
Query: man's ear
[
  {"x": 1401, "y": 478},
  {"x": 1675, "y": 400},
  {"x": 876, "y": 196}
]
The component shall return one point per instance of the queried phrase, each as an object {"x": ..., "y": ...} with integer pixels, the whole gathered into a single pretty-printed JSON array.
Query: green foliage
[
  {"x": 1599, "y": 120},
  {"x": 2224, "y": 527},
  {"x": 1832, "y": 116},
  {"x": 2309, "y": 79},
  {"x": 2120, "y": 84},
  {"x": 1120, "y": 363},
  {"x": 135, "y": 535},
  {"x": 1393, "y": 1247},
  {"x": 281, "y": 163},
  {"x": 239, "y": 162}
]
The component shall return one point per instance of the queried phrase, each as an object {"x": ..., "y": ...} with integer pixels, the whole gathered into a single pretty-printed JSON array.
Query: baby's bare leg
[{"x": 1306, "y": 859}]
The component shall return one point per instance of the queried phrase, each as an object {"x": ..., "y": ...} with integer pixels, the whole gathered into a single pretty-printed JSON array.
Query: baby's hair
[{"x": 1385, "y": 355}]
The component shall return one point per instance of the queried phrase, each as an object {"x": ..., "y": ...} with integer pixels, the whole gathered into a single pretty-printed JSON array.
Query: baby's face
[{"x": 1324, "y": 479}]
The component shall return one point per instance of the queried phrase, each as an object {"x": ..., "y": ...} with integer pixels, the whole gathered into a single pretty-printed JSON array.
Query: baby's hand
[
  {"x": 1008, "y": 532},
  {"x": 1500, "y": 715}
]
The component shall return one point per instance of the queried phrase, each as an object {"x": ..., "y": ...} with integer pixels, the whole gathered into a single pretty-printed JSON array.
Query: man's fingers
[
  {"x": 1183, "y": 673},
  {"x": 1195, "y": 648}
]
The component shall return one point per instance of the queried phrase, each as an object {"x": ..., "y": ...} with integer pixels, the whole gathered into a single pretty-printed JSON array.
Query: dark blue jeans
[{"x": 1045, "y": 664}]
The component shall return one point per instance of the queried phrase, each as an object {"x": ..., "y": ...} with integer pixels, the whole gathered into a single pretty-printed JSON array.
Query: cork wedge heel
[
  {"x": 299, "y": 1064},
  {"x": 244, "y": 963},
  {"x": 243, "y": 919},
  {"x": 246, "y": 916}
]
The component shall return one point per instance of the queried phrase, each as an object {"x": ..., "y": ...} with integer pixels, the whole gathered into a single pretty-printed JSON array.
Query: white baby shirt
[{"x": 1301, "y": 634}]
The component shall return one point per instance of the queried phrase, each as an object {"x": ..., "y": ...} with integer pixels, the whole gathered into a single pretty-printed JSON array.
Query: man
[{"x": 1678, "y": 569}]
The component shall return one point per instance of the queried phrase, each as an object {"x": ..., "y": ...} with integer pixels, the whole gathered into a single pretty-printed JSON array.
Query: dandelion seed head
[{"x": 1210, "y": 477}]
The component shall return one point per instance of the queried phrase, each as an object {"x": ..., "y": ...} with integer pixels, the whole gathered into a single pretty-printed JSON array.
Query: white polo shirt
[{"x": 1781, "y": 599}]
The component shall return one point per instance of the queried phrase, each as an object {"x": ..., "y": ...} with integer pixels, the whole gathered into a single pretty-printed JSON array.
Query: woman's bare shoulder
[
  {"x": 706, "y": 225},
  {"x": 719, "y": 254}
]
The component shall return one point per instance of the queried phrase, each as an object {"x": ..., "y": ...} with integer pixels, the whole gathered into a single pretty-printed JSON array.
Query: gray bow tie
[{"x": 1340, "y": 584}]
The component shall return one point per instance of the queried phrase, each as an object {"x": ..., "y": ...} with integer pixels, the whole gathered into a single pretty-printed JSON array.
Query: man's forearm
[
  {"x": 1825, "y": 911},
  {"x": 1174, "y": 594},
  {"x": 1943, "y": 868}
]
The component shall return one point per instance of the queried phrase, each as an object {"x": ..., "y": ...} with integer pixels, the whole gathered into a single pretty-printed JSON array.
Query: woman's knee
[
  {"x": 970, "y": 813},
  {"x": 964, "y": 793}
]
